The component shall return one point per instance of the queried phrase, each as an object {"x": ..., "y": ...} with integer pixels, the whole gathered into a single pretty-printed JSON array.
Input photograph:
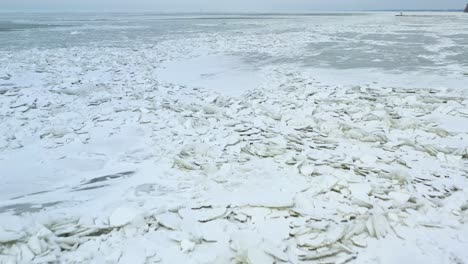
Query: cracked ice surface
[{"x": 236, "y": 141}]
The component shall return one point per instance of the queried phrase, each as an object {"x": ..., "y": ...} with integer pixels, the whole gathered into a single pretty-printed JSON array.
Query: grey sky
[{"x": 225, "y": 5}]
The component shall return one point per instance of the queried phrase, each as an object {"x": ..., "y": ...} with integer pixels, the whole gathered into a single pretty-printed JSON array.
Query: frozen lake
[
  {"x": 424, "y": 44},
  {"x": 348, "y": 40},
  {"x": 250, "y": 138}
]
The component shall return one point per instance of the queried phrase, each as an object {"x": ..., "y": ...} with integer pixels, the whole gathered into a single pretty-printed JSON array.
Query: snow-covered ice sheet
[
  {"x": 256, "y": 139},
  {"x": 225, "y": 74}
]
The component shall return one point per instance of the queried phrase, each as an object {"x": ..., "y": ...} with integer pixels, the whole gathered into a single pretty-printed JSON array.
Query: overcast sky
[{"x": 225, "y": 5}]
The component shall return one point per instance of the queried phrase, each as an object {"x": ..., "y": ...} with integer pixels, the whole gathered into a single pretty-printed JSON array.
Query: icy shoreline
[{"x": 106, "y": 158}]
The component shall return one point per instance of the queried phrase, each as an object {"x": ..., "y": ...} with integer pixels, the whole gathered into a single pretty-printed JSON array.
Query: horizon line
[{"x": 231, "y": 12}]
